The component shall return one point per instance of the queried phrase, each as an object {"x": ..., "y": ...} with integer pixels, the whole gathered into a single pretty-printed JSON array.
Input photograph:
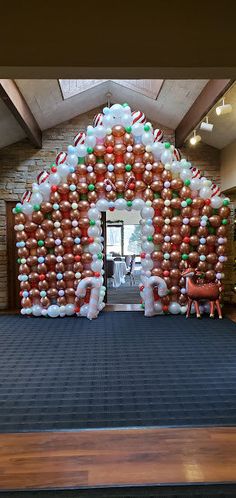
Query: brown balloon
[
  {"x": 23, "y": 252},
  {"x": 224, "y": 211},
  {"x": 129, "y": 158},
  {"x": 194, "y": 221},
  {"x": 210, "y": 275},
  {"x": 175, "y": 256},
  {"x": 215, "y": 220},
  {"x": 47, "y": 225},
  {"x": 31, "y": 243},
  {"x": 40, "y": 234},
  {"x": 202, "y": 232},
  {"x": 207, "y": 210},
  {"x": 21, "y": 236},
  {"x": 51, "y": 275},
  {"x": 157, "y": 272},
  {"x": 176, "y": 221},
  {"x": 221, "y": 231},
  {"x": 176, "y": 238},
  {"x": 30, "y": 226},
  {"x": 56, "y": 215},
  {"x": 166, "y": 193},
  {"x": 20, "y": 218},
  {"x": 45, "y": 302},
  {"x": 202, "y": 266},
  {"x": 176, "y": 184},
  {"x": 194, "y": 240},
  {"x": 185, "y": 193},
  {"x": 52, "y": 293},
  {"x": 32, "y": 260},
  {"x": 73, "y": 197},
  {"x": 49, "y": 242}
]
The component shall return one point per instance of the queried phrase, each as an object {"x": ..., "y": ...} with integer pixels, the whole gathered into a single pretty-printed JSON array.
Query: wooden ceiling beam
[
  {"x": 14, "y": 100},
  {"x": 209, "y": 96}
]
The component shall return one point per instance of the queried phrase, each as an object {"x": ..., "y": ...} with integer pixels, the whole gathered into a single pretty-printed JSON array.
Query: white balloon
[
  {"x": 185, "y": 174},
  {"x": 147, "y": 264},
  {"x": 205, "y": 193},
  {"x": 158, "y": 307},
  {"x": 195, "y": 184},
  {"x": 148, "y": 229},
  {"x": 81, "y": 150},
  {"x": 174, "y": 308},
  {"x": 72, "y": 159},
  {"x": 100, "y": 131},
  {"x": 175, "y": 167},
  {"x": 27, "y": 209},
  {"x": 166, "y": 157},
  {"x": 120, "y": 204},
  {"x": 157, "y": 150},
  {"x": 137, "y": 129},
  {"x": 90, "y": 141},
  {"x": 216, "y": 202},
  {"x": 117, "y": 110},
  {"x": 147, "y": 138},
  {"x": 45, "y": 189},
  {"x": 53, "y": 311},
  {"x": 94, "y": 214},
  {"x": 138, "y": 204},
  {"x": 69, "y": 309},
  {"x": 84, "y": 310},
  {"x": 97, "y": 265},
  {"x": 63, "y": 170},
  {"x": 102, "y": 205},
  {"x": 148, "y": 247},
  {"x": 36, "y": 198},
  {"x": 94, "y": 248},
  {"x": 54, "y": 178},
  {"x": 36, "y": 310},
  {"x": 108, "y": 121},
  {"x": 94, "y": 231},
  {"x": 126, "y": 120},
  {"x": 147, "y": 212}
]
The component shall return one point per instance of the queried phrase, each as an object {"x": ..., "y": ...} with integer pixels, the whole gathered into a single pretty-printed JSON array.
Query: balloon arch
[{"x": 120, "y": 163}]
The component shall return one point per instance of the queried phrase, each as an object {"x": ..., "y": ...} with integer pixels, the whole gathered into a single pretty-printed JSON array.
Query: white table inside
[{"x": 120, "y": 271}]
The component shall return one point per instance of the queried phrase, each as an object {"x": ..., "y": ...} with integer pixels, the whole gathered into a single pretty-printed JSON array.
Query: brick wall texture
[{"x": 20, "y": 163}]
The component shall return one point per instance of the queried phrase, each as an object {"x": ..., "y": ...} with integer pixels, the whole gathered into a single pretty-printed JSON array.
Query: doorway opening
[{"x": 122, "y": 248}]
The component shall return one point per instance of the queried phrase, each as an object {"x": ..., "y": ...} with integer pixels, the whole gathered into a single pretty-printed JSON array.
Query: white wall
[
  {"x": 228, "y": 167},
  {"x": 129, "y": 217}
]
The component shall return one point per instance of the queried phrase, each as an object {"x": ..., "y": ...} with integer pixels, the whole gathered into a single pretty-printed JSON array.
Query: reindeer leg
[
  {"x": 196, "y": 304},
  {"x": 189, "y": 307},
  {"x": 212, "y": 309},
  {"x": 218, "y": 307}
]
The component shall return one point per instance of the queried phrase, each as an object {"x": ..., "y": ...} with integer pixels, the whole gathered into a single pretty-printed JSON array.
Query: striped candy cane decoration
[
  {"x": 26, "y": 197},
  {"x": 177, "y": 154},
  {"x": 215, "y": 190},
  {"x": 98, "y": 119},
  {"x": 130, "y": 180},
  {"x": 148, "y": 295},
  {"x": 95, "y": 285},
  {"x": 42, "y": 177},
  {"x": 79, "y": 138},
  {"x": 157, "y": 135},
  {"x": 196, "y": 172},
  {"x": 61, "y": 158},
  {"x": 109, "y": 185},
  {"x": 138, "y": 117}
]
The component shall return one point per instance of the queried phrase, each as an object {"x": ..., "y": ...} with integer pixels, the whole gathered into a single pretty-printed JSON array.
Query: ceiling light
[
  {"x": 224, "y": 108},
  {"x": 206, "y": 126},
  {"x": 195, "y": 138}
]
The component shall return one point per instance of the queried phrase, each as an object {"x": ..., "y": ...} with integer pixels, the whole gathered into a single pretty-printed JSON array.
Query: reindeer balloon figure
[{"x": 198, "y": 292}]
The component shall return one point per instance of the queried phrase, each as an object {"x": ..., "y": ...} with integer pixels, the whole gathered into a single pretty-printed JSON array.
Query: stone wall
[{"x": 20, "y": 164}]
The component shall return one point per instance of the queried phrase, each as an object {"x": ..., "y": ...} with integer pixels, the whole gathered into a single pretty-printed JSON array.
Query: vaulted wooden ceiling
[{"x": 29, "y": 106}]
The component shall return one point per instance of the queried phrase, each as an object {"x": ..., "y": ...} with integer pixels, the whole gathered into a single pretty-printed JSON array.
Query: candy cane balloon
[
  {"x": 215, "y": 190},
  {"x": 98, "y": 119},
  {"x": 195, "y": 172},
  {"x": 138, "y": 117},
  {"x": 157, "y": 135},
  {"x": 26, "y": 197},
  {"x": 130, "y": 180},
  {"x": 177, "y": 154},
  {"x": 149, "y": 284},
  {"x": 79, "y": 139},
  {"x": 42, "y": 177},
  {"x": 95, "y": 284},
  {"x": 109, "y": 185},
  {"x": 61, "y": 158}
]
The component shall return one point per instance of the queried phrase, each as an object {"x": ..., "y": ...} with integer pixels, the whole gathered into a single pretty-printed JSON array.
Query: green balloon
[
  {"x": 224, "y": 221},
  {"x": 92, "y": 222},
  {"x": 125, "y": 104},
  {"x": 40, "y": 243},
  {"x": 36, "y": 207},
  {"x": 225, "y": 202},
  {"x": 19, "y": 261},
  {"x": 167, "y": 145},
  {"x": 81, "y": 160},
  {"x": 147, "y": 127},
  {"x": 189, "y": 201},
  {"x": 91, "y": 187},
  {"x": 157, "y": 195},
  {"x": 128, "y": 167},
  {"x": 128, "y": 129},
  {"x": 187, "y": 182},
  {"x": 142, "y": 305},
  {"x": 99, "y": 255},
  {"x": 129, "y": 203},
  {"x": 184, "y": 257},
  {"x": 120, "y": 196},
  {"x": 83, "y": 197},
  {"x": 17, "y": 209},
  {"x": 99, "y": 160},
  {"x": 89, "y": 150},
  {"x": 150, "y": 238}
]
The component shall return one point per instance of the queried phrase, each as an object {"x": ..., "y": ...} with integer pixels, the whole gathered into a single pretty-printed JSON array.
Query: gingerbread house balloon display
[{"x": 120, "y": 162}]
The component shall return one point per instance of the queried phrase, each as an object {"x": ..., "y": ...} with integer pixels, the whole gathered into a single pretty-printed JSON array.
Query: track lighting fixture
[
  {"x": 224, "y": 108},
  {"x": 206, "y": 126},
  {"x": 195, "y": 138}
]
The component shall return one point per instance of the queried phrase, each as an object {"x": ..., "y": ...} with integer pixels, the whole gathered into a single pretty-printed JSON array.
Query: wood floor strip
[{"x": 125, "y": 457}]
